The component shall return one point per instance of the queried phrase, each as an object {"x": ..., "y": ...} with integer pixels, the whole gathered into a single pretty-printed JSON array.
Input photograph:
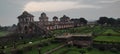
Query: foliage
[
  {"x": 102, "y": 20},
  {"x": 75, "y": 50},
  {"x": 107, "y": 38},
  {"x": 109, "y": 21},
  {"x": 3, "y": 33},
  {"x": 83, "y": 20},
  {"x": 43, "y": 49}
]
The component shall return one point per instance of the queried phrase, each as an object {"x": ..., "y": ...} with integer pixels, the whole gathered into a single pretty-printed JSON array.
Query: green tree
[
  {"x": 102, "y": 20},
  {"x": 83, "y": 20},
  {"x": 118, "y": 22},
  {"x": 111, "y": 21}
]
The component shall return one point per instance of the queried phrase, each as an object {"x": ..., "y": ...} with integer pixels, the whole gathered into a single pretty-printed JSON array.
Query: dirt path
[{"x": 49, "y": 52}]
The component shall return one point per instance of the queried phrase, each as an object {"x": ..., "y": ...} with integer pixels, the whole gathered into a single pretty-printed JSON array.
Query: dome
[
  {"x": 25, "y": 14},
  {"x": 55, "y": 17},
  {"x": 65, "y": 17},
  {"x": 43, "y": 14}
]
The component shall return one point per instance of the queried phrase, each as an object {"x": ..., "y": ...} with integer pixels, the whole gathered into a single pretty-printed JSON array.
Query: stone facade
[
  {"x": 24, "y": 22},
  {"x": 77, "y": 40},
  {"x": 26, "y": 19}
]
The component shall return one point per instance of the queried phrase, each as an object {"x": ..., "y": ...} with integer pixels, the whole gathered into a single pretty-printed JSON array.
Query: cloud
[
  {"x": 53, "y": 6},
  {"x": 109, "y": 1}
]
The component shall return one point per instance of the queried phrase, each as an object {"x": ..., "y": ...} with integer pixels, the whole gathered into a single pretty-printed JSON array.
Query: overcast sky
[{"x": 89, "y": 9}]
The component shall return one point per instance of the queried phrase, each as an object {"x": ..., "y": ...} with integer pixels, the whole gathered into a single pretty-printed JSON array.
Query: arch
[{"x": 25, "y": 28}]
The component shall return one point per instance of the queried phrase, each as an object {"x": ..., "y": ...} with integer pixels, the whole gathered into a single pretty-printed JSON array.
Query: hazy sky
[{"x": 89, "y": 9}]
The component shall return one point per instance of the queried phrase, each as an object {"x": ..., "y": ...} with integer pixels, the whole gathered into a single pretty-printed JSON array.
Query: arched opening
[{"x": 25, "y": 29}]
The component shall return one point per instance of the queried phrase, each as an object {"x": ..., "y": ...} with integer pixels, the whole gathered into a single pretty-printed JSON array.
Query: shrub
[
  {"x": 109, "y": 34},
  {"x": 17, "y": 51},
  {"x": 54, "y": 41},
  {"x": 40, "y": 45},
  {"x": 113, "y": 50},
  {"x": 2, "y": 52},
  {"x": 89, "y": 48},
  {"x": 28, "y": 48},
  {"x": 101, "y": 48},
  {"x": 46, "y": 43},
  {"x": 82, "y": 51}
]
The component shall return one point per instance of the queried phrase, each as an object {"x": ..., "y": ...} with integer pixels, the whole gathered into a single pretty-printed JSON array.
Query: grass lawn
[
  {"x": 43, "y": 49},
  {"x": 60, "y": 50},
  {"x": 68, "y": 50},
  {"x": 110, "y": 31},
  {"x": 22, "y": 46},
  {"x": 72, "y": 50},
  {"x": 82, "y": 30},
  {"x": 108, "y": 38},
  {"x": 34, "y": 51},
  {"x": 86, "y": 29},
  {"x": 49, "y": 47},
  {"x": 75, "y": 50},
  {"x": 3, "y": 33},
  {"x": 96, "y": 51}
]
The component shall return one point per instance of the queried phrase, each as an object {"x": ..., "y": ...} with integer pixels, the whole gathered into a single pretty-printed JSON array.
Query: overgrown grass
[
  {"x": 3, "y": 33},
  {"x": 96, "y": 51},
  {"x": 110, "y": 32},
  {"x": 60, "y": 50},
  {"x": 43, "y": 49},
  {"x": 81, "y": 30},
  {"x": 75, "y": 50},
  {"x": 101, "y": 31},
  {"x": 22, "y": 46},
  {"x": 108, "y": 38}
]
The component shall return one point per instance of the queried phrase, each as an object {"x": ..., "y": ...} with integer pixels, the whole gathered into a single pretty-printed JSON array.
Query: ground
[
  {"x": 3, "y": 33},
  {"x": 44, "y": 49},
  {"x": 108, "y": 38},
  {"x": 76, "y": 50},
  {"x": 109, "y": 34}
]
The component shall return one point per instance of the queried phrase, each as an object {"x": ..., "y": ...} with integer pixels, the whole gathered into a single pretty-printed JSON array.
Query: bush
[
  {"x": 17, "y": 51},
  {"x": 46, "y": 43},
  {"x": 41, "y": 45},
  {"x": 82, "y": 51},
  {"x": 79, "y": 46},
  {"x": 113, "y": 50},
  {"x": 101, "y": 48},
  {"x": 28, "y": 48},
  {"x": 2, "y": 52},
  {"x": 89, "y": 48},
  {"x": 69, "y": 45},
  {"x": 109, "y": 34},
  {"x": 54, "y": 41}
]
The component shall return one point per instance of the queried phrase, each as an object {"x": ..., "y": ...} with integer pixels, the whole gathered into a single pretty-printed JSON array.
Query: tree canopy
[
  {"x": 108, "y": 21},
  {"x": 83, "y": 20}
]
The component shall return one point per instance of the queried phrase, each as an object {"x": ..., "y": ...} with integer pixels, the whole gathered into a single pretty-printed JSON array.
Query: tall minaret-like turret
[
  {"x": 25, "y": 17},
  {"x": 55, "y": 20},
  {"x": 43, "y": 18},
  {"x": 24, "y": 21}
]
